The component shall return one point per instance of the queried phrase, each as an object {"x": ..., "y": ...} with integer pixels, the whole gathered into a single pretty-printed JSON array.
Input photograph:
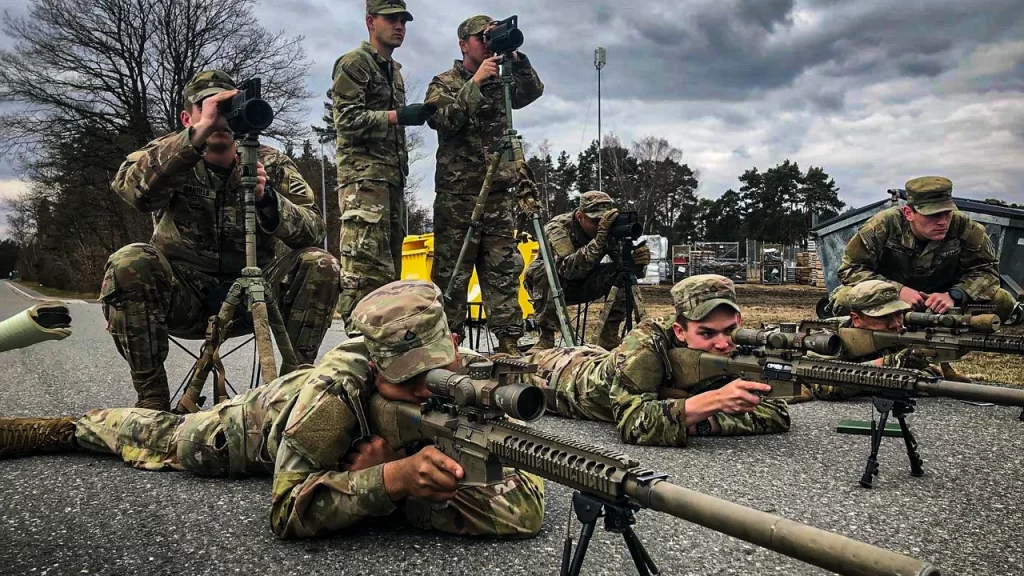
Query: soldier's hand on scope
[
  {"x": 605, "y": 225},
  {"x": 427, "y": 475},
  {"x": 940, "y": 303},
  {"x": 912, "y": 297},
  {"x": 487, "y": 69},
  {"x": 367, "y": 454},
  {"x": 210, "y": 119},
  {"x": 641, "y": 256},
  {"x": 414, "y": 114},
  {"x": 740, "y": 396}
]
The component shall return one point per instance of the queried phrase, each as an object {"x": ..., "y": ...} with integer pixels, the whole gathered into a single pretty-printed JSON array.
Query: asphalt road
[{"x": 88, "y": 514}]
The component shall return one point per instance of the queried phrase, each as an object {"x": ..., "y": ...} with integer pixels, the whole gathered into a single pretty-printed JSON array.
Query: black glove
[{"x": 415, "y": 114}]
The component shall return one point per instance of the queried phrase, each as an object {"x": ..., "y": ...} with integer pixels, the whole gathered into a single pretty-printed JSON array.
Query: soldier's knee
[
  {"x": 1004, "y": 303},
  {"x": 133, "y": 268},
  {"x": 319, "y": 263}
]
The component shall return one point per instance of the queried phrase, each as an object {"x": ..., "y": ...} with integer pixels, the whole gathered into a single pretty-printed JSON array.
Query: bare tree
[{"x": 93, "y": 80}]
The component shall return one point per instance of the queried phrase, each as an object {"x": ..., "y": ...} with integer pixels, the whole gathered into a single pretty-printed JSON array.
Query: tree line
[
  {"x": 776, "y": 205},
  {"x": 88, "y": 82}
]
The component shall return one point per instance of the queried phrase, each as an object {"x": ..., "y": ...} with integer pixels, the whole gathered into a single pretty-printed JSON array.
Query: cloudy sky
[{"x": 876, "y": 92}]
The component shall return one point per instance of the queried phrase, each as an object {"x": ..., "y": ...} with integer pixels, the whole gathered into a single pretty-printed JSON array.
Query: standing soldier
[
  {"x": 935, "y": 256},
  {"x": 468, "y": 131},
  {"x": 191, "y": 182},
  {"x": 370, "y": 116}
]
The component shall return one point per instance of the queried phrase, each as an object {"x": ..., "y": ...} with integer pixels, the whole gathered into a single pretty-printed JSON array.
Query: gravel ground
[{"x": 85, "y": 514}]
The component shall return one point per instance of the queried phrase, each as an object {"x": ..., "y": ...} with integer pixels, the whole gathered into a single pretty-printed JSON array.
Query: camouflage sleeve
[
  {"x": 639, "y": 371},
  {"x": 979, "y": 267},
  {"x": 571, "y": 264},
  {"x": 527, "y": 86},
  {"x": 298, "y": 223},
  {"x": 453, "y": 117},
  {"x": 860, "y": 259},
  {"x": 352, "y": 119},
  {"x": 310, "y": 496},
  {"x": 148, "y": 176}
]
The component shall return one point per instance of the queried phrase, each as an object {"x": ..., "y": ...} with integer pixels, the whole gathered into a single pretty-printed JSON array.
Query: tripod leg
[
  {"x": 261, "y": 329},
  {"x": 643, "y": 561},
  {"x": 208, "y": 360},
  {"x": 638, "y": 304},
  {"x": 908, "y": 438},
  {"x": 606, "y": 311},
  {"x": 871, "y": 469},
  {"x": 289, "y": 357}
]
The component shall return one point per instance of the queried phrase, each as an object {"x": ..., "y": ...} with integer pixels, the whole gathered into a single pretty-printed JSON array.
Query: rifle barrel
[
  {"x": 821, "y": 548},
  {"x": 1000, "y": 395}
]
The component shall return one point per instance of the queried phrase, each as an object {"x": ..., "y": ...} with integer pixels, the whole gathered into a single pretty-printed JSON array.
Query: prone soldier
[
  {"x": 579, "y": 240},
  {"x": 468, "y": 131},
  {"x": 370, "y": 116},
  {"x": 310, "y": 430},
  {"x": 937, "y": 257},
  {"x": 190, "y": 181},
  {"x": 633, "y": 385},
  {"x": 874, "y": 305}
]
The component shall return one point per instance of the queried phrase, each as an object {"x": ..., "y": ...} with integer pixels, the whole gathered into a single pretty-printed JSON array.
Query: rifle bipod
[
  {"x": 900, "y": 409},
  {"x": 618, "y": 518}
]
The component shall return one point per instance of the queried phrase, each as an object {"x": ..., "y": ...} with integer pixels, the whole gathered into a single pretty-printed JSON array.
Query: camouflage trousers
[
  {"x": 222, "y": 443},
  {"x": 594, "y": 286},
  {"x": 145, "y": 298},
  {"x": 1003, "y": 301},
  {"x": 494, "y": 252},
  {"x": 372, "y": 233}
]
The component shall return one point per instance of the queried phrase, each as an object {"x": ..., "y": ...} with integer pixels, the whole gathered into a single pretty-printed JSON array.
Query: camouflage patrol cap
[
  {"x": 207, "y": 83},
  {"x": 405, "y": 329},
  {"x": 596, "y": 204},
  {"x": 695, "y": 297},
  {"x": 474, "y": 25},
  {"x": 385, "y": 7},
  {"x": 874, "y": 298},
  {"x": 930, "y": 194}
]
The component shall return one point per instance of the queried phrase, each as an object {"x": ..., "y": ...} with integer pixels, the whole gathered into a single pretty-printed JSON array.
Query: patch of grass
[{"x": 55, "y": 292}]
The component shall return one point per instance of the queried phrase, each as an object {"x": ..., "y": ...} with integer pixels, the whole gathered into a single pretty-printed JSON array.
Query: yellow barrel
[{"x": 418, "y": 257}]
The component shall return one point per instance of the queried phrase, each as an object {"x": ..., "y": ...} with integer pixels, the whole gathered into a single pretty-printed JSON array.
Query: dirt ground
[{"x": 791, "y": 303}]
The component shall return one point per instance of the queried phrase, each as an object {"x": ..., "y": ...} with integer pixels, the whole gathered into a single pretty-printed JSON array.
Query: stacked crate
[{"x": 808, "y": 269}]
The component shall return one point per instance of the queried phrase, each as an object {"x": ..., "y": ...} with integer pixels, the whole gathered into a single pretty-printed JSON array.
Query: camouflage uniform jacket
[
  {"x": 472, "y": 127},
  {"x": 885, "y": 248},
  {"x": 201, "y": 220},
  {"x": 576, "y": 255},
  {"x": 366, "y": 86},
  {"x": 320, "y": 413},
  {"x": 621, "y": 386},
  {"x": 302, "y": 425}
]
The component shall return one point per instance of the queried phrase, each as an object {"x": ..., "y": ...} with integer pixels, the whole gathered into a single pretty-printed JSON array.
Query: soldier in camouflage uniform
[
  {"x": 468, "y": 131},
  {"x": 874, "y": 305},
  {"x": 309, "y": 429},
  {"x": 191, "y": 183},
  {"x": 633, "y": 385},
  {"x": 370, "y": 116},
  {"x": 579, "y": 241},
  {"x": 936, "y": 256}
]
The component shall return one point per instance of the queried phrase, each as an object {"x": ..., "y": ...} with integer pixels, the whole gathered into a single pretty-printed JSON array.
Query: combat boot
[
  {"x": 545, "y": 342},
  {"x": 508, "y": 344},
  {"x": 609, "y": 336},
  {"x": 28, "y": 436},
  {"x": 151, "y": 386}
]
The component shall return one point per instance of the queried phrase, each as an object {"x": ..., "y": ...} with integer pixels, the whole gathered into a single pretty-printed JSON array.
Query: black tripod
[
  {"x": 625, "y": 280},
  {"x": 899, "y": 408},
  {"x": 618, "y": 518}
]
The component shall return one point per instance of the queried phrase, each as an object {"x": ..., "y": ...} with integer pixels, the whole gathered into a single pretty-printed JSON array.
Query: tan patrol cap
[
  {"x": 596, "y": 204},
  {"x": 405, "y": 329},
  {"x": 695, "y": 297},
  {"x": 930, "y": 194},
  {"x": 874, "y": 298}
]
